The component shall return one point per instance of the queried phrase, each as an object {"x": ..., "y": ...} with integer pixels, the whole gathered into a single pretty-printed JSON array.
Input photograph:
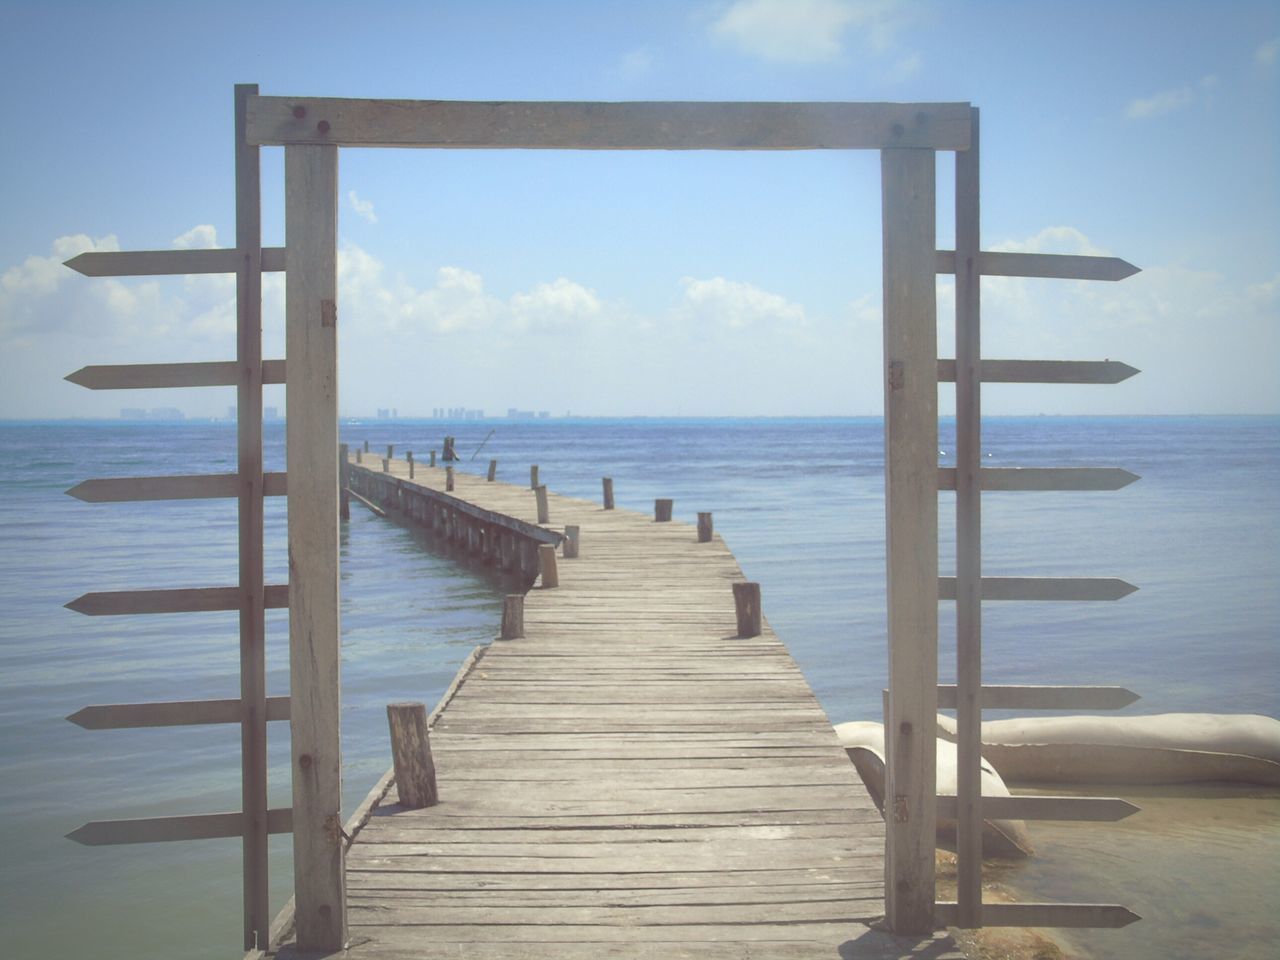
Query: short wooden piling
[
  {"x": 513, "y": 616},
  {"x": 391, "y": 450},
  {"x": 359, "y": 455},
  {"x": 448, "y": 479},
  {"x": 366, "y": 446},
  {"x": 704, "y": 528},
  {"x": 746, "y": 600},
  {"x": 493, "y": 470},
  {"x": 411, "y": 755},
  {"x": 344, "y": 504},
  {"x": 571, "y": 534},
  {"x": 433, "y": 459},
  {"x": 547, "y": 565},
  {"x": 662, "y": 511},
  {"x": 408, "y": 455},
  {"x": 607, "y": 483},
  {"x": 533, "y": 477},
  {"x": 386, "y": 465},
  {"x": 540, "y": 493}
]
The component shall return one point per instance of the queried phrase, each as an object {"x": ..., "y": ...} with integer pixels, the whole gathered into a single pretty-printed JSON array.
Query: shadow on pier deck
[{"x": 629, "y": 779}]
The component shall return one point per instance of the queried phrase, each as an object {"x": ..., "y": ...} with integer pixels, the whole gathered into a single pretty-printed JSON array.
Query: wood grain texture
[
  {"x": 1043, "y": 588},
  {"x": 1043, "y": 478},
  {"x": 1044, "y": 371},
  {"x": 1033, "y": 697},
  {"x": 196, "y": 487},
  {"x": 173, "y": 713},
  {"x": 1048, "y": 265},
  {"x": 568, "y": 125},
  {"x": 141, "y": 263},
  {"x": 311, "y": 185},
  {"x": 204, "y": 826},
  {"x": 1046, "y": 915},
  {"x": 178, "y": 600},
  {"x": 139, "y": 376}
]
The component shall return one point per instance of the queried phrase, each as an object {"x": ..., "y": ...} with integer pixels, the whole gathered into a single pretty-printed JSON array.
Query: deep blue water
[{"x": 799, "y": 501}]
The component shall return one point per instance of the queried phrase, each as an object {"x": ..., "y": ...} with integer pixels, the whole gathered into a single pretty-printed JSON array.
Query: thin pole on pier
[
  {"x": 968, "y": 538},
  {"x": 311, "y": 393},
  {"x": 607, "y": 484},
  {"x": 908, "y": 195},
  {"x": 253, "y": 680}
]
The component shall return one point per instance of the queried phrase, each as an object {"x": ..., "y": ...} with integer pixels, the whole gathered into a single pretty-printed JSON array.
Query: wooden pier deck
[{"x": 629, "y": 779}]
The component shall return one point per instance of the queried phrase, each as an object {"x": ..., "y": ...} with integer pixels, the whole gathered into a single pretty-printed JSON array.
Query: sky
[{"x": 650, "y": 283}]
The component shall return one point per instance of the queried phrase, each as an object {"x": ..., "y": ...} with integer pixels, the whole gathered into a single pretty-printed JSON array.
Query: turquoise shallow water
[{"x": 799, "y": 502}]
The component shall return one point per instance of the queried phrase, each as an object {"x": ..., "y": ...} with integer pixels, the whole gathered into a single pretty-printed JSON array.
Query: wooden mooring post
[
  {"x": 547, "y": 565},
  {"x": 448, "y": 479},
  {"x": 746, "y": 602},
  {"x": 662, "y": 511},
  {"x": 409, "y": 456},
  {"x": 540, "y": 493},
  {"x": 433, "y": 459},
  {"x": 572, "y": 532},
  {"x": 493, "y": 471},
  {"x": 411, "y": 755},
  {"x": 513, "y": 616},
  {"x": 533, "y": 477},
  {"x": 704, "y": 527},
  {"x": 607, "y": 484}
]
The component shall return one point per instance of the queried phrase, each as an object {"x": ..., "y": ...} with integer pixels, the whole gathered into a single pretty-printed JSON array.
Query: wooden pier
[{"x": 632, "y": 777}]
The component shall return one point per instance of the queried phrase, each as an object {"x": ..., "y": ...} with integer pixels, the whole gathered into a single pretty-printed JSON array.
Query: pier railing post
[
  {"x": 448, "y": 479},
  {"x": 513, "y": 616},
  {"x": 607, "y": 484},
  {"x": 493, "y": 470},
  {"x": 391, "y": 450},
  {"x": 571, "y": 535},
  {"x": 704, "y": 528},
  {"x": 746, "y": 602},
  {"x": 411, "y": 755},
  {"x": 386, "y": 465},
  {"x": 433, "y": 459},
  {"x": 533, "y": 477},
  {"x": 662, "y": 511},
  {"x": 359, "y": 455},
  {"x": 547, "y": 565},
  {"x": 409, "y": 456},
  {"x": 540, "y": 493}
]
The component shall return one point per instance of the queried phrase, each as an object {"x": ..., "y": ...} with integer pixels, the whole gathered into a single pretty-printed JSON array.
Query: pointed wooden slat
[
  {"x": 1044, "y": 371},
  {"x": 177, "y": 713},
  {"x": 685, "y": 125},
  {"x": 1094, "y": 809},
  {"x": 140, "y": 376},
  {"x": 197, "y": 487},
  {"x": 203, "y": 826},
  {"x": 1043, "y": 588},
  {"x": 1001, "y": 697},
  {"x": 1080, "y": 915},
  {"x": 1049, "y": 265},
  {"x": 191, "y": 600},
  {"x": 140, "y": 263},
  {"x": 1043, "y": 478}
]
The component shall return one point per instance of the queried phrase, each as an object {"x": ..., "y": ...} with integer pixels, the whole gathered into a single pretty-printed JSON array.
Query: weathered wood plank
[
  {"x": 139, "y": 376},
  {"x": 1043, "y": 478},
  {"x": 1043, "y": 697},
  {"x": 1043, "y": 588},
  {"x": 1044, "y": 371},
  {"x": 195, "y": 487},
  {"x": 120, "y": 716},
  {"x": 1096, "y": 809},
  {"x": 311, "y": 220},
  {"x": 567, "y": 125},
  {"x": 205, "y": 826},
  {"x": 1045, "y": 915},
  {"x": 181, "y": 600},
  {"x": 1048, "y": 265},
  {"x": 139, "y": 263}
]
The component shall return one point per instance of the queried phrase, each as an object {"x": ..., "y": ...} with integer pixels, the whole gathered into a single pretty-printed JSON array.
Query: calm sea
[{"x": 799, "y": 502}]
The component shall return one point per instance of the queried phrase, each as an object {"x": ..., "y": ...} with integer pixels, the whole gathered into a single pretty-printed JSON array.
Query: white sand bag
[
  {"x": 1162, "y": 748},
  {"x": 863, "y": 741}
]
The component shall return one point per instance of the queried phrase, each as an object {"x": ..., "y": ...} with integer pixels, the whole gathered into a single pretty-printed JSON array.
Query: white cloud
[
  {"x": 362, "y": 208},
  {"x": 1267, "y": 54},
  {"x": 559, "y": 305},
  {"x": 202, "y": 237},
  {"x": 1170, "y": 101},
  {"x": 734, "y": 305},
  {"x": 637, "y": 63},
  {"x": 808, "y": 31},
  {"x": 1060, "y": 239}
]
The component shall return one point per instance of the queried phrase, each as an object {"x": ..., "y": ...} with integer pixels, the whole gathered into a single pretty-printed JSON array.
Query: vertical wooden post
[
  {"x": 540, "y": 494},
  {"x": 359, "y": 455},
  {"x": 493, "y": 470},
  {"x": 968, "y": 538},
  {"x": 448, "y": 479},
  {"x": 433, "y": 459},
  {"x": 704, "y": 528},
  {"x": 607, "y": 483},
  {"x": 547, "y": 565},
  {"x": 571, "y": 534},
  {"x": 253, "y": 681},
  {"x": 411, "y": 755},
  {"x": 533, "y": 477},
  {"x": 513, "y": 616},
  {"x": 344, "y": 483},
  {"x": 311, "y": 222},
  {"x": 366, "y": 446},
  {"x": 911, "y": 470},
  {"x": 391, "y": 450},
  {"x": 409, "y": 456},
  {"x": 662, "y": 511},
  {"x": 746, "y": 602},
  {"x": 386, "y": 465}
]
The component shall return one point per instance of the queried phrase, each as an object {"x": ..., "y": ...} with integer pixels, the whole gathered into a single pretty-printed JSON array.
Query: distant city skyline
[{"x": 661, "y": 283}]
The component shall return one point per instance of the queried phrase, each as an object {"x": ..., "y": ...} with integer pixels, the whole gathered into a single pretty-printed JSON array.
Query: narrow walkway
[{"x": 630, "y": 779}]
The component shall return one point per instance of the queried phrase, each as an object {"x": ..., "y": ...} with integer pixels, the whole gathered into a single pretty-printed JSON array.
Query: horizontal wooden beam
[
  {"x": 188, "y": 600},
  {"x": 373, "y": 507},
  {"x": 1048, "y": 265},
  {"x": 140, "y": 376},
  {"x": 150, "y": 263},
  {"x": 568, "y": 125},
  {"x": 1080, "y": 915},
  {"x": 1093, "y": 809},
  {"x": 1043, "y": 588},
  {"x": 999, "y": 697},
  {"x": 198, "y": 487},
  {"x": 174, "y": 713},
  {"x": 1044, "y": 371},
  {"x": 1043, "y": 478},
  {"x": 203, "y": 826}
]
